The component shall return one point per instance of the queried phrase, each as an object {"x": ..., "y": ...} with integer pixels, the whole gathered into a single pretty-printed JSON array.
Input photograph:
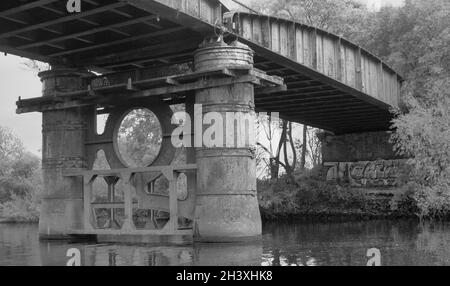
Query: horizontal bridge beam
[
  {"x": 174, "y": 85},
  {"x": 63, "y": 19},
  {"x": 146, "y": 53},
  {"x": 315, "y": 104},
  {"x": 342, "y": 109},
  {"x": 24, "y": 7},
  {"x": 338, "y": 116},
  {"x": 299, "y": 99},
  {"x": 117, "y": 42},
  {"x": 87, "y": 32}
]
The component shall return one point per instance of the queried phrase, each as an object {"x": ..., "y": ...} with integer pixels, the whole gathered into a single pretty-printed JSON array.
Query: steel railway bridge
[{"x": 147, "y": 52}]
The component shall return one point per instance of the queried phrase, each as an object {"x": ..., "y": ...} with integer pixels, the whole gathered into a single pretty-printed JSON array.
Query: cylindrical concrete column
[
  {"x": 226, "y": 202},
  {"x": 63, "y": 133}
]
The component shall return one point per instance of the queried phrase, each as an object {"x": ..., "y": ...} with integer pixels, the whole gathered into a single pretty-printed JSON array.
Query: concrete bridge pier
[
  {"x": 63, "y": 133},
  {"x": 226, "y": 199}
]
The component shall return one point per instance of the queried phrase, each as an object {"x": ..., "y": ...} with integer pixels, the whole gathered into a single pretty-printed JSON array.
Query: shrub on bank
[
  {"x": 20, "y": 210},
  {"x": 20, "y": 181},
  {"x": 423, "y": 134},
  {"x": 433, "y": 202},
  {"x": 20, "y": 198}
]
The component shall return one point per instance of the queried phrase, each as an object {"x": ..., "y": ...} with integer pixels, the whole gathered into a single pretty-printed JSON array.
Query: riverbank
[
  {"x": 20, "y": 210},
  {"x": 313, "y": 197},
  {"x": 17, "y": 221},
  {"x": 310, "y": 199}
]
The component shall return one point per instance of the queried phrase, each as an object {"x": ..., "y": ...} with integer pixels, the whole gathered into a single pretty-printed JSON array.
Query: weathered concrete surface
[
  {"x": 366, "y": 161},
  {"x": 226, "y": 205},
  {"x": 368, "y": 146},
  {"x": 63, "y": 148}
]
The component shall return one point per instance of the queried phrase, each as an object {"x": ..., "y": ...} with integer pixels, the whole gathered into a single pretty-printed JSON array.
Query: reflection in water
[
  {"x": 299, "y": 244},
  {"x": 53, "y": 253},
  {"x": 19, "y": 245},
  {"x": 400, "y": 243}
]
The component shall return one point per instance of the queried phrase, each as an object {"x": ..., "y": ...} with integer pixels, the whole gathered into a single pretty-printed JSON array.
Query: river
[{"x": 400, "y": 242}]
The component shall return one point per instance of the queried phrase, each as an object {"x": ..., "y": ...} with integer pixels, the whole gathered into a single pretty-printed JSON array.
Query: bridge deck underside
[
  {"x": 319, "y": 104},
  {"x": 113, "y": 36}
]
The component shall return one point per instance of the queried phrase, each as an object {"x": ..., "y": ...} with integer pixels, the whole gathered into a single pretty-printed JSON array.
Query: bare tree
[
  {"x": 304, "y": 148},
  {"x": 285, "y": 145},
  {"x": 315, "y": 148},
  {"x": 270, "y": 127},
  {"x": 289, "y": 140}
]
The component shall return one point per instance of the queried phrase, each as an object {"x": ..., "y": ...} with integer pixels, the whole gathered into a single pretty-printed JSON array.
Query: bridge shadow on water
[{"x": 403, "y": 242}]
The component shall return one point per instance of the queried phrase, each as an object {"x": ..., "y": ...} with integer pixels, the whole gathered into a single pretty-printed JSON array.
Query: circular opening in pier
[{"x": 139, "y": 138}]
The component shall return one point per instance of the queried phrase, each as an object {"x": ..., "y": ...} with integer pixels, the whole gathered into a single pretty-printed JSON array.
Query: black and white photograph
[{"x": 237, "y": 135}]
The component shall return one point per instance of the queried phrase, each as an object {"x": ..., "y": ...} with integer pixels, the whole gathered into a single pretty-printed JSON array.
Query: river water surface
[{"x": 401, "y": 242}]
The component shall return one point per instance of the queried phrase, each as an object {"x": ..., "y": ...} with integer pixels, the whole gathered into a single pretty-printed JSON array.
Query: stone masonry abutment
[{"x": 365, "y": 160}]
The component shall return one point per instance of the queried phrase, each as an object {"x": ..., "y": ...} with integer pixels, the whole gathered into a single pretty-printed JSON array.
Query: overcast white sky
[{"x": 16, "y": 80}]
